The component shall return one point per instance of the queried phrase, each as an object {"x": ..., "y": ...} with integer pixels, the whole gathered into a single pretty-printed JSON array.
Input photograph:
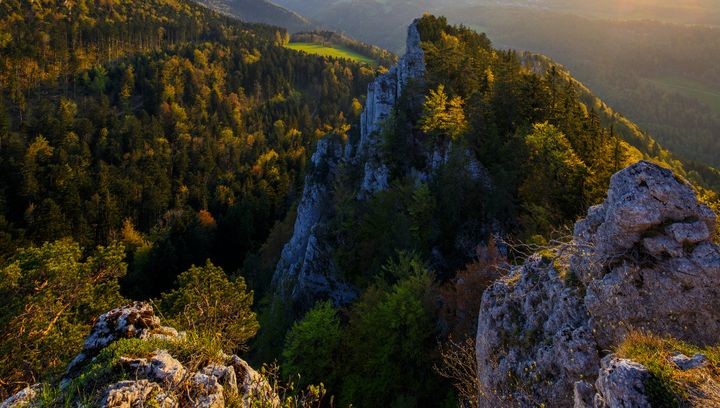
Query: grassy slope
[
  {"x": 333, "y": 51},
  {"x": 691, "y": 89}
]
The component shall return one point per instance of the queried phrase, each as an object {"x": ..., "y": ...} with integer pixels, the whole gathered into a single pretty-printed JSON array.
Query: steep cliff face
[
  {"x": 641, "y": 261},
  {"x": 306, "y": 271},
  {"x": 385, "y": 91},
  {"x": 382, "y": 96}
]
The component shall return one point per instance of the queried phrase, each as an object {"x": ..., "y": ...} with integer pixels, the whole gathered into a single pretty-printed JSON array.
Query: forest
[
  {"x": 627, "y": 63},
  {"x": 155, "y": 126},
  {"x": 156, "y": 150}
]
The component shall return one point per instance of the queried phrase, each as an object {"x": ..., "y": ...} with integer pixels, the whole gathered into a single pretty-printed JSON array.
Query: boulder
[
  {"x": 642, "y": 200},
  {"x": 136, "y": 320},
  {"x": 251, "y": 385},
  {"x": 621, "y": 384},
  {"x": 161, "y": 367},
  {"x": 25, "y": 398},
  {"x": 685, "y": 363},
  {"x": 136, "y": 394},
  {"x": 206, "y": 391},
  {"x": 225, "y": 375},
  {"x": 646, "y": 259}
]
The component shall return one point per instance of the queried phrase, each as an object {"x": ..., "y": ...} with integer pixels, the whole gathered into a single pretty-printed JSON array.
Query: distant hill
[
  {"x": 635, "y": 54},
  {"x": 703, "y": 12},
  {"x": 261, "y": 11}
]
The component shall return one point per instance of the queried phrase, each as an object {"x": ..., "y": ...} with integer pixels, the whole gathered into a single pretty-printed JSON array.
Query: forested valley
[
  {"x": 156, "y": 126},
  {"x": 158, "y": 151}
]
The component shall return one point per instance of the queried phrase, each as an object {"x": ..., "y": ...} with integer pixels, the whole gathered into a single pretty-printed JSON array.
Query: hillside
[
  {"x": 337, "y": 45},
  {"x": 459, "y": 143},
  {"x": 261, "y": 11},
  {"x": 629, "y": 53},
  {"x": 157, "y": 128},
  {"x": 331, "y": 51},
  {"x": 662, "y": 76},
  {"x": 470, "y": 226}
]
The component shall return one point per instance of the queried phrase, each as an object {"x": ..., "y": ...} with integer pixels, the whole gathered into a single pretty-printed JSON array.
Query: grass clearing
[
  {"x": 690, "y": 88},
  {"x": 332, "y": 51}
]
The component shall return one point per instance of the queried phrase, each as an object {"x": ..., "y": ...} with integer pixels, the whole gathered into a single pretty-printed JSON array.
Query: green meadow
[{"x": 333, "y": 51}]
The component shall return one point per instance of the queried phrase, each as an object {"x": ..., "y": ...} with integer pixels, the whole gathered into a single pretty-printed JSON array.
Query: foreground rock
[
  {"x": 534, "y": 340},
  {"x": 621, "y": 383},
  {"x": 641, "y": 261},
  {"x": 24, "y": 398},
  {"x": 136, "y": 320},
  {"x": 647, "y": 260},
  {"x": 159, "y": 378}
]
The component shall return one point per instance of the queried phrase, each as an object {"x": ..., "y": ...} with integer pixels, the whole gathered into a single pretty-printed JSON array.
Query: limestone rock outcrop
[
  {"x": 620, "y": 383},
  {"x": 533, "y": 341},
  {"x": 136, "y": 320},
  {"x": 382, "y": 96},
  {"x": 161, "y": 367},
  {"x": 385, "y": 91},
  {"x": 641, "y": 261},
  {"x": 647, "y": 260},
  {"x": 158, "y": 379},
  {"x": 306, "y": 270},
  {"x": 131, "y": 394}
]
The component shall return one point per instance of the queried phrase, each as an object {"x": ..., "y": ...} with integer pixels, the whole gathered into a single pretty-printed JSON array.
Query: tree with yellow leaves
[{"x": 443, "y": 116}]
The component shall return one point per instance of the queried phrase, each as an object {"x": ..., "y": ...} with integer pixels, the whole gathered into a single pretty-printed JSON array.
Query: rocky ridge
[
  {"x": 643, "y": 260},
  {"x": 158, "y": 379},
  {"x": 306, "y": 271}
]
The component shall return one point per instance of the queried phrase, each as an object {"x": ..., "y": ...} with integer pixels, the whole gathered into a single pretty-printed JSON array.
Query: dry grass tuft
[{"x": 669, "y": 385}]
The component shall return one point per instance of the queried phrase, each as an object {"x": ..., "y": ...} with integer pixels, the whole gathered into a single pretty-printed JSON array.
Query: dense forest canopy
[
  {"x": 154, "y": 149},
  {"x": 158, "y": 118},
  {"x": 663, "y": 76},
  {"x": 167, "y": 131}
]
